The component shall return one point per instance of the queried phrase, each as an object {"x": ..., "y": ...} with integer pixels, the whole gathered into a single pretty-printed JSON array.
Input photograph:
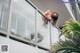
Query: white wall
[{"x": 17, "y": 47}]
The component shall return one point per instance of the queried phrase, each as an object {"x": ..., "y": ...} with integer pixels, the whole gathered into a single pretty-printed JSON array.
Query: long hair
[{"x": 54, "y": 17}]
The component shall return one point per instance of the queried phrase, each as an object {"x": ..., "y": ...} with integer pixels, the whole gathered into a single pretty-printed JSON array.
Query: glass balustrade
[
  {"x": 23, "y": 20},
  {"x": 55, "y": 32},
  {"x": 4, "y": 15},
  {"x": 26, "y": 23},
  {"x": 43, "y": 34},
  {"x": 23, "y": 25}
]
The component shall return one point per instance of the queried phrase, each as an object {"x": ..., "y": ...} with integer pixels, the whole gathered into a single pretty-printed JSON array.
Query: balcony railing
[{"x": 26, "y": 24}]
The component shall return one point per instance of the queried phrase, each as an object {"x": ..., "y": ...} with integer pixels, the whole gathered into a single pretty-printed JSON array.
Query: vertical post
[
  {"x": 36, "y": 27},
  {"x": 50, "y": 36},
  {"x": 10, "y": 14},
  {"x": 16, "y": 24}
]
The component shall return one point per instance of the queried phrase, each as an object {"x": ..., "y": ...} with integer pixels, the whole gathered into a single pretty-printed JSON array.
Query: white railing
[{"x": 25, "y": 23}]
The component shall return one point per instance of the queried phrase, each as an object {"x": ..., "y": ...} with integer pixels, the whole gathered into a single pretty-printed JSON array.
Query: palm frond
[{"x": 71, "y": 31}]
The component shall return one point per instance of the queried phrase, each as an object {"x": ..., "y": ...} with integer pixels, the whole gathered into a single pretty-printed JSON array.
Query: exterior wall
[{"x": 17, "y": 47}]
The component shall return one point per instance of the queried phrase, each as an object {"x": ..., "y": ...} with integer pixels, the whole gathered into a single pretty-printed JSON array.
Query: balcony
[{"x": 21, "y": 20}]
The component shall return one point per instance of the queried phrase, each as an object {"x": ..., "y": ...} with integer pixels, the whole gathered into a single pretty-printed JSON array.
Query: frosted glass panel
[
  {"x": 54, "y": 34},
  {"x": 4, "y": 14},
  {"x": 43, "y": 34},
  {"x": 23, "y": 19}
]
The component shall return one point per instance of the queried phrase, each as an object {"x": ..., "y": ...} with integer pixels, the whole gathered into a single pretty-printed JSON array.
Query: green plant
[
  {"x": 71, "y": 44},
  {"x": 72, "y": 30},
  {"x": 66, "y": 46}
]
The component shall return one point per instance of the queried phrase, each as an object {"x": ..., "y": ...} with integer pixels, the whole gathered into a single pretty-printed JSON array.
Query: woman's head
[
  {"x": 54, "y": 16},
  {"x": 51, "y": 16}
]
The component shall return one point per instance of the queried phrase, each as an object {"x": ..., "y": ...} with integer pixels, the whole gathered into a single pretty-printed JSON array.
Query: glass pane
[
  {"x": 42, "y": 33},
  {"x": 4, "y": 14},
  {"x": 54, "y": 34},
  {"x": 23, "y": 19},
  {"x": 78, "y": 3},
  {"x": 79, "y": 6}
]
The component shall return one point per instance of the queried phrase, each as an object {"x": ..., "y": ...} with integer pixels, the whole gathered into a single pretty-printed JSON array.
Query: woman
[{"x": 51, "y": 17}]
